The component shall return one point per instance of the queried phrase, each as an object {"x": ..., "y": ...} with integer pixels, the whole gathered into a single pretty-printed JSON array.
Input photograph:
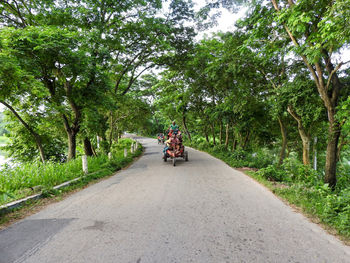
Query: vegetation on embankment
[
  {"x": 29, "y": 178},
  {"x": 300, "y": 185},
  {"x": 3, "y": 140}
]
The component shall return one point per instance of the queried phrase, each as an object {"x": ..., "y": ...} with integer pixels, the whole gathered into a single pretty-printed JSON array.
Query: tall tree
[{"x": 308, "y": 25}]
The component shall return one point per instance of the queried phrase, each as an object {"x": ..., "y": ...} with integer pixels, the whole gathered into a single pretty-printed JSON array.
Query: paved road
[{"x": 199, "y": 211}]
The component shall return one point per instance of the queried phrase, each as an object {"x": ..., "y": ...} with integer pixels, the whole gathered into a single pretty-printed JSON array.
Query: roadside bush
[
  {"x": 298, "y": 172},
  {"x": 239, "y": 154},
  {"x": 121, "y": 145},
  {"x": 260, "y": 159},
  {"x": 220, "y": 148},
  {"x": 343, "y": 176},
  {"x": 203, "y": 145},
  {"x": 272, "y": 173}
]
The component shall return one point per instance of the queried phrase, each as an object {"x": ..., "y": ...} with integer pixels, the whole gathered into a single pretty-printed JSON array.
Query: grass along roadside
[
  {"x": 299, "y": 186},
  {"x": 19, "y": 182}
]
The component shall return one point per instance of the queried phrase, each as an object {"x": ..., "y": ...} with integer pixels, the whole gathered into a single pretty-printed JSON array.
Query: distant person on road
[{"x": 160, "y": 138}]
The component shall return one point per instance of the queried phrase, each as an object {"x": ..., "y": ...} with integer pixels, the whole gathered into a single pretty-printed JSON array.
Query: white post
[
  {"x": 315, "y": 153},
  {"x": 109, "y": 155},
  {"x": 125, "y": 152},
  {"x": 85, "y": 164},
  {"x": 98, "y": 141}
]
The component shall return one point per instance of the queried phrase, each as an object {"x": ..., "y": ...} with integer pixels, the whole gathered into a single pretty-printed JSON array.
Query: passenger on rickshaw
[
  {"x": 174, "y": 128},
  {"x": 171, "y": 143}
]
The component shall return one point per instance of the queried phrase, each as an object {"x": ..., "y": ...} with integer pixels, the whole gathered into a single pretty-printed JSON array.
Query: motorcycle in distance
[{"x": 160, "y": 138}]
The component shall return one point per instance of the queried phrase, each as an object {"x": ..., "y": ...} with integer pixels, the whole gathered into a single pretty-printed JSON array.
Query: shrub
[
  {"x": 239, "y": 154},
  {"x": 260, "y": 159},
  {"x": 299, "y": 172},
  {"x": 272, "y": 173},
  {"x": 122, "y": 143}
]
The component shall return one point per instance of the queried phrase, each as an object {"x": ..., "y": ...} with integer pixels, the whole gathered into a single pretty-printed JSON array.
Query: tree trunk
[
  {"x": 306, "y": 150},
  {"x": 72, "y": 129},
  {"x": 206, "y": 135},
  {"x": 72, "y": 145},
  {"x": 111, "y": 129},
  {"x": 234, "y": 140},
  {"x": 303, "y": 135},
  {"x": 331, "y": 155},
  {"x": 213, "y": 132},
  {"x": 185, "y": 127},
  {"x": 36, "y": 136},
  {"x": 88, "y": 147},
  {"x": 221, "y": 132},
  {"x": 93, "y": 150},
  {"x": 284, "y": 141},
  {"x": 234, "y": 145},
  {"x": 334, "y": 130},
  {"x": 72, "y": 136},
  {"x": 40, "y": 148},
  {"x": 227, "y": 135},
  {"x": 246, "y": 139}
]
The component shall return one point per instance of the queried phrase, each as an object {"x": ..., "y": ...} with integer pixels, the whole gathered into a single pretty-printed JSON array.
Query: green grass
[{"x": 29, "y": 178}]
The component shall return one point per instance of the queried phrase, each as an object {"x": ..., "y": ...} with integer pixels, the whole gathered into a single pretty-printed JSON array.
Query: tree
[
  {"x": 312, "y": 29},
  {"x": 14, "y": 83}
]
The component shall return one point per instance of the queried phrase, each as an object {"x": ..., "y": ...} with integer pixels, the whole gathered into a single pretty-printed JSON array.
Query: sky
[{"x": 224, "y": 23}]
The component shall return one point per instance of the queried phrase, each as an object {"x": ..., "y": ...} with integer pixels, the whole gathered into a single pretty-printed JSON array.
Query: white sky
[{"x": 225, "y": 22}]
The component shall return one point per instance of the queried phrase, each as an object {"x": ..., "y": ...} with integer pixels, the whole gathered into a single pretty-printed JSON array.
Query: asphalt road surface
[{"x": 199, "y": 211}]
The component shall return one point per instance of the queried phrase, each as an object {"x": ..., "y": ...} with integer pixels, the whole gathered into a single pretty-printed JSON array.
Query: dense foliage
[{"x": 70, "y": 72}]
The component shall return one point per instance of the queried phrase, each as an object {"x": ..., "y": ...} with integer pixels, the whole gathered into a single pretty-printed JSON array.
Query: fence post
[
  {"x": 315, "y": 153},
  {"x": 125, "y": 152},
  {"x": 85, "y": 164},
  {"x": 109, "y": 155}
]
